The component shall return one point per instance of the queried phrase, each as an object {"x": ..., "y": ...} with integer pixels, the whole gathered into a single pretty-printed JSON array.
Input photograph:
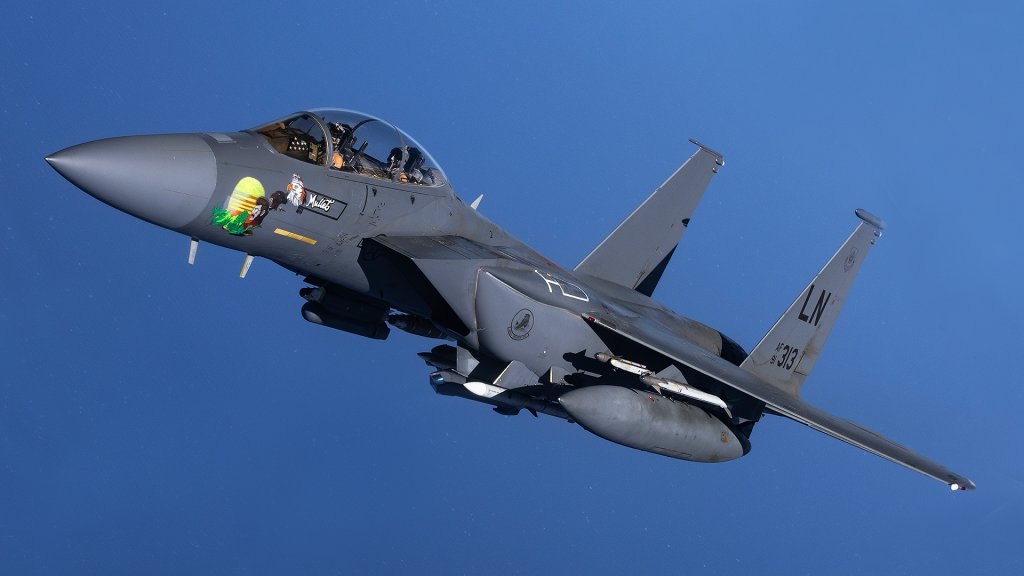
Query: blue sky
[{"x": 160, "y": 418}]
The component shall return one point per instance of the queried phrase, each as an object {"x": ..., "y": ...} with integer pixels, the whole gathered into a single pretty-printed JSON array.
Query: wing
[
  {"x": 636, "y": 253},
  {"x": 657, "y": 338}
]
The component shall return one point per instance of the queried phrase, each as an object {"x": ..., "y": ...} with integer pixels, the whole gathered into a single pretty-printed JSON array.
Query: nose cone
[{"x": 166, "y": 179}]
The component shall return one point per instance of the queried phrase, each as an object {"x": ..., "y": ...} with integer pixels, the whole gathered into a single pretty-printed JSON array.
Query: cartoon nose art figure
[
  {"x": 241, "y": 215},
  {"x": 296, "y": 191}
]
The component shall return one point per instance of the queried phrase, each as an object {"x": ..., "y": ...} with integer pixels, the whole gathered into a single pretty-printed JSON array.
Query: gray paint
[
  {"x": 645, "y": 240},
  {"x": 167, "y": 180},
  {"x": 374, "y": 241},
  {"x": 654, "y": 423},
  {"x": 787, "y": 353}
]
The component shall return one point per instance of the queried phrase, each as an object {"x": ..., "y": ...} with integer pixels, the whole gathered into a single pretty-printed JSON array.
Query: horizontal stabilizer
[{"x": 636, "y": 253}]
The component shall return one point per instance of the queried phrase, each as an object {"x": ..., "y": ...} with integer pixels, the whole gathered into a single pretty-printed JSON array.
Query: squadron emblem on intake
[{"x": 521, "y": 325}]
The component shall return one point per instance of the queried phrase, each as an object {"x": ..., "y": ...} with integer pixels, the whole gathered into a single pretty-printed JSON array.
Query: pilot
[
  {"x": 397, "y": 161},
  {"x": 337, "y": 160},
  {"x": 428, "y": 177},
  {"x": 413, "y": 164},
  {"x": 341, "y": 135}
]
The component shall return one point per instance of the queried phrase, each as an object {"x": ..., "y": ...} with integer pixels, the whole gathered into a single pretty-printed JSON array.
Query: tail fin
[
  {"x": 637, "y": 252},
  {"x": 786, "y": 354}
]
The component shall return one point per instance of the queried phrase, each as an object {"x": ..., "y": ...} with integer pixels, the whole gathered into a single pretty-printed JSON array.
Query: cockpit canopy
[{"x": 358, "y": 143}]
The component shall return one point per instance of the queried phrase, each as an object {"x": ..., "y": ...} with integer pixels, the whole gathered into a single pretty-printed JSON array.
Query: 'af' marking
[{"x": 819, "y": 308}]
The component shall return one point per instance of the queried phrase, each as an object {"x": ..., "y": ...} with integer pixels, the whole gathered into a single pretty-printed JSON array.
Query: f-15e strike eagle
[{"x": 365, "y": 214}]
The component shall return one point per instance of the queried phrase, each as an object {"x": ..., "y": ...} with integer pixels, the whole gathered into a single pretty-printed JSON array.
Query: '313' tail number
[{"x": 785, "y": 356}]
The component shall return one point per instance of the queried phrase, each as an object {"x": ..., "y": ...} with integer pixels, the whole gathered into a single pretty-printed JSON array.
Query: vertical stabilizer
[
  {"x": 785, "y": 356},
  {"x": 635, "y": 254}
]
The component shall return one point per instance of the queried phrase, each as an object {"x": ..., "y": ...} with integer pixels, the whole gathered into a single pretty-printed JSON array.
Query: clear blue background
[{"x": 157, "y": 418}]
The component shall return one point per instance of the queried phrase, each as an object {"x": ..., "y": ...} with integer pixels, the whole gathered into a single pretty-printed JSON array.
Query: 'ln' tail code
[{"x": 785, "y": 356}]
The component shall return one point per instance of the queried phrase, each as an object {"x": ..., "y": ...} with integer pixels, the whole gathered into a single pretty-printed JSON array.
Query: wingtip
[{"x": 964, "y": 484}]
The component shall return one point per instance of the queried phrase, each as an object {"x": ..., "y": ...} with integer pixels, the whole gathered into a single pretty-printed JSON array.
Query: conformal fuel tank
[{"x": 653, "y": 423}]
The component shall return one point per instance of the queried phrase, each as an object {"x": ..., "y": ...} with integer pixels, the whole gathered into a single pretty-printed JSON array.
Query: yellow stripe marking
[{"x": 295, "y": 236}]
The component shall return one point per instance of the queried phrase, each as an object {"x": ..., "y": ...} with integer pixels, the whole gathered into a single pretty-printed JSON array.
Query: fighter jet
[{"x": 368, "y": 218}]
